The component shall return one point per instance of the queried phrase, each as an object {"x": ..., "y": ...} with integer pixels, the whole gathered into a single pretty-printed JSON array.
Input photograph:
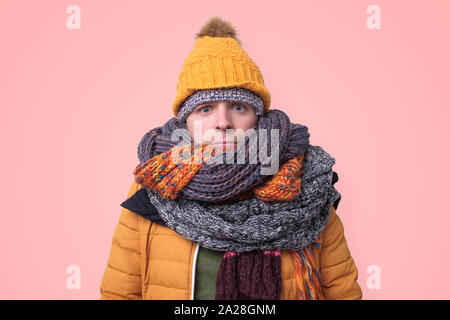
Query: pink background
[{"x": 75, "y": 103}]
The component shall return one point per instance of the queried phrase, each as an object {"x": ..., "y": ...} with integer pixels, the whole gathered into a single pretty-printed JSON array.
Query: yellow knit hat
[{"x": 218, "y": 61}]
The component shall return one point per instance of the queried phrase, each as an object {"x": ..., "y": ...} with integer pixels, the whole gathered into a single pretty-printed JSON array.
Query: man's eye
[
  {"x": 203, "y": 108},
  {"x": 239, "y": 107}
]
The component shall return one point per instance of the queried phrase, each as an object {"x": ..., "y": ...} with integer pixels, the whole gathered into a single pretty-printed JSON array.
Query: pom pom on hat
[{"x": 217, "y": 27}]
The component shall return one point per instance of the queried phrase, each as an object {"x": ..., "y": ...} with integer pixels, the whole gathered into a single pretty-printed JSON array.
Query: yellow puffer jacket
[{"x": 150, "y": 261}]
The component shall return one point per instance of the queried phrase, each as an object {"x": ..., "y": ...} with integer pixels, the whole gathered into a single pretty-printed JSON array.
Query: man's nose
[{"x": 223, "y": 120}]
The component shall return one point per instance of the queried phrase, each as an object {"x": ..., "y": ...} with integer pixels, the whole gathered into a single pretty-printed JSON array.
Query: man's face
[{"x": 214, "y": 118}]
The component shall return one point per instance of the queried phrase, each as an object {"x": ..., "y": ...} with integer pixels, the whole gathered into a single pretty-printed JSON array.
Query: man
[{"x": 204, "y": 230}]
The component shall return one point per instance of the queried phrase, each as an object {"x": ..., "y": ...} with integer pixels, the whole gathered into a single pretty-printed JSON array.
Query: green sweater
[{"x": 208, "y": 263}]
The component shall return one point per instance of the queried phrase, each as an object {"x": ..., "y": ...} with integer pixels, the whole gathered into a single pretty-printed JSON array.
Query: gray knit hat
[{"x": 233, "y": 94}]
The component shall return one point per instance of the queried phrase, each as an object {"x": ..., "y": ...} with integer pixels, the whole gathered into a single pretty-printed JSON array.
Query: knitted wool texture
[
  {"x": 234, "y": 94},
  {"x": 255, "y": 224},
  {"x": 215, "y": 182},
  {"x": 254, "y": 230},
  {"x": 245, "y": 228}
]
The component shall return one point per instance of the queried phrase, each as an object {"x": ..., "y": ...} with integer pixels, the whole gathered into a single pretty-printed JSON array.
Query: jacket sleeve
[
  {"x": 122, "y": 276},
  {"x": 338, "y": 271}
]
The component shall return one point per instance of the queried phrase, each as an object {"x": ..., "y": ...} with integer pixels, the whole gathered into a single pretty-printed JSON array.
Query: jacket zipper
[{"x": 194, "y": 266}]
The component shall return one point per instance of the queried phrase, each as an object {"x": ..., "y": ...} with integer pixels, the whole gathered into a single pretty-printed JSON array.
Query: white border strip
[{"x": 194, "y": 267}]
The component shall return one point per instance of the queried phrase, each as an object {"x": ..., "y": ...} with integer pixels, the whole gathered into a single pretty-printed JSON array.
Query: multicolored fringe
[
  {"x": 308, "y": 275},
  {"x": 169, "y": 177}
]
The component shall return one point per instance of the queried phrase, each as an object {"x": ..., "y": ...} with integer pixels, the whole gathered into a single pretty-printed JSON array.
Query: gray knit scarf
[{"x": 254, "y": 224}]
